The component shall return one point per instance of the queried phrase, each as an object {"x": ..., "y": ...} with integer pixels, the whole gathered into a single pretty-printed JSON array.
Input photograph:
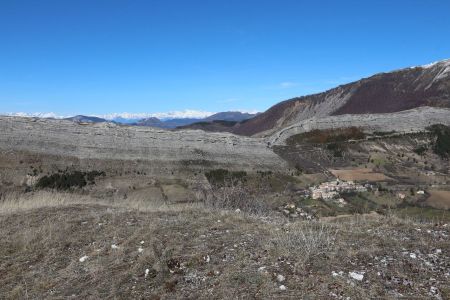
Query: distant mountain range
[{"x": 231, "y": 116}]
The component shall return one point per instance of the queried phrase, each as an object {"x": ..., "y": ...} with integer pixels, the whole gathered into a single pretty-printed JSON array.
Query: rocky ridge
[
  {"x": 114, "y": 142},
  {"x": 405, "y": 121}
]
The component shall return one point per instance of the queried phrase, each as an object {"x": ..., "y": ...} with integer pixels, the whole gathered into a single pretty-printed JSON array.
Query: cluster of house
[
  {"x": 402, "y": 196},
  {"x": 332, "y": 189}
]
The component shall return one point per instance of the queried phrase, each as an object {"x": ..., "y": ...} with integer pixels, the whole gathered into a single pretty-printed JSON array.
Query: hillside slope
[
  {"x": 89, "y": 250},
  {"x": 156, "y": 150},
  {"x": 427, "y": 85}
]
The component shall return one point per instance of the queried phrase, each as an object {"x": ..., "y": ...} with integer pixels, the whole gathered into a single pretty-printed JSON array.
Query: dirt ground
[
  {"x": 359, "y": 174},
  {"x": 82, "y": 250},
  {"x": 439, "y": 199}
]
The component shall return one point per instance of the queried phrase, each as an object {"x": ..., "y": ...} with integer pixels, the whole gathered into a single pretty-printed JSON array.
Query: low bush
[
  {"x": 67, "y": 181},
  {"x": 383, "y": 133},
  {"x": 442, "y": 144},
  {"x": 336, "y": 149},
  {"x": 420, "y": 150},
  {"x": 221, "y": 177},
  {"x": 232, "y": 196},
  {"x": 327, "y": 136}
]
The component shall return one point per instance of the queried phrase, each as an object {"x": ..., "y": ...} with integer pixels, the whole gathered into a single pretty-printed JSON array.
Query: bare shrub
[{"x": 236, "y": 195}]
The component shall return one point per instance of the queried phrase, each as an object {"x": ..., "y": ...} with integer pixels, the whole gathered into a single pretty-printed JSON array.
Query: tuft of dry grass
[{"x": 306, "y": 239}]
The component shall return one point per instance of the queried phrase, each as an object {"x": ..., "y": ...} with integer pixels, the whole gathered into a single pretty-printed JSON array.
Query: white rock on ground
[
  {"x": 114, "y": 246},
  {"x": 340, "y": 273},
  {"x": 283, "y": 287},
  {"x": 280, "y": 278},
  {"x": 356, "y": 275},
  {"x": 83, "y": 259}
]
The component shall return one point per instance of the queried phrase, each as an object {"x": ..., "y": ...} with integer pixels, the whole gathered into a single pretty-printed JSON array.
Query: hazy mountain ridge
[
  {"x": 86, "y": 119},
  {"x": 229, "y": 116}
]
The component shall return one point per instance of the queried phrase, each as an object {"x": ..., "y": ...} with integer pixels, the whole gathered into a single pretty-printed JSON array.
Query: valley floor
[{"x": 61, "y": 246}]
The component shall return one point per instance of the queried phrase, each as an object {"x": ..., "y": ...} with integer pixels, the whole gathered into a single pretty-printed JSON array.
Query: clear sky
[{"x": 99, "y": 57}]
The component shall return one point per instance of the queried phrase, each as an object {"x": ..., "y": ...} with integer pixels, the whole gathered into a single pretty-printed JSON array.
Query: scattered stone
[
  {"x": 290, "y": 210},
  {"x": 283, "y": 287},
  {"x": 434, "y": 291},
  {"x": 83, "y": 259},
  {"x": 114, "y": 246},
  {"x": 280, "y": 278},
  {"x": 356, "y": 275},
  {"x": 334, "y": 274}
]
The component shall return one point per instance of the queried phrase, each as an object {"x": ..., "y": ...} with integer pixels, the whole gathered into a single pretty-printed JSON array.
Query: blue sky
[{"x": 99, "y": 57}]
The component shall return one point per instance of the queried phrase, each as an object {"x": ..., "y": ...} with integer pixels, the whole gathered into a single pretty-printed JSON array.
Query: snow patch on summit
[{"x": 445, "y": 62}]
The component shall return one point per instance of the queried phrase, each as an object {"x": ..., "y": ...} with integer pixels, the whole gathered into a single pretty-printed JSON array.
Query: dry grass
[
  {"x": 359, "y": 174},
  {"x": 14, "y": 202},
  {"x": 194, "y": 252},
  {"x": 439, "y": 199}
]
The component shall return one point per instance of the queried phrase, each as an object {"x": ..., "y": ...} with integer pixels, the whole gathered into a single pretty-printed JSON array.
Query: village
[{"x": 331, "y": 190}]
